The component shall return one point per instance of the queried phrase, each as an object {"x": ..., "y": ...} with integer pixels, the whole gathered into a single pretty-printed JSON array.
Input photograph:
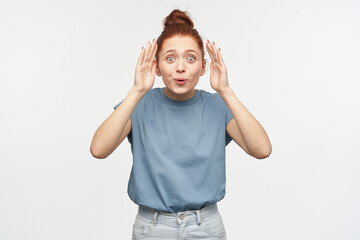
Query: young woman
[{"x": 178, "y": 135}]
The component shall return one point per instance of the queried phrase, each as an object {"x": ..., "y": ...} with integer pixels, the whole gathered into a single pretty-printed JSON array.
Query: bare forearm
[
  {"x": 107, "y": 135},
  {"x": 255, "y": 137}
]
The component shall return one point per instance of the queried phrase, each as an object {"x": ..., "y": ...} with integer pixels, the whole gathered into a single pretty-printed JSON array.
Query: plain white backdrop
[{"x": 293, "y": 64}]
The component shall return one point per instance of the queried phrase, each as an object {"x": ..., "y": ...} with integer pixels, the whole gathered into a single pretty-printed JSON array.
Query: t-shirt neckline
[{"x": 175, "y": 102}]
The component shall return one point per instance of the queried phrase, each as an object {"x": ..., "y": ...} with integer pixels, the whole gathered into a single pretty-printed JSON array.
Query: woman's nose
[{"x": 180, "y": 66}]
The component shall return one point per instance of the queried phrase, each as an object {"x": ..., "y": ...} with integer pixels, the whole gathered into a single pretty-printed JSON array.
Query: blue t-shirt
[{"x": 178, "y": 151}]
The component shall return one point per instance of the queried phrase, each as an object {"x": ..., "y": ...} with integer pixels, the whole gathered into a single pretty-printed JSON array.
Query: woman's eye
[
  {"x": 191, "y": 58},
  {"x": 170, "y": 58}
]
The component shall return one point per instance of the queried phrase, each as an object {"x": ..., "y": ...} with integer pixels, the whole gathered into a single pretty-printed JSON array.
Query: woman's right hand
[{"x": 145, "y": 68}]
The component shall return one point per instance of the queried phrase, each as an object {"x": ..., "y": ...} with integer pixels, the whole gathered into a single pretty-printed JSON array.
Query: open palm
[
  {"x": 145, "y": 68},
  {"x": 218, "y": 72}
]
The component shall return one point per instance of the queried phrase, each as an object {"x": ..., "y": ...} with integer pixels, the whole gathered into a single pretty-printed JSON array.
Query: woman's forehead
[{"x": 180, "y": 44}]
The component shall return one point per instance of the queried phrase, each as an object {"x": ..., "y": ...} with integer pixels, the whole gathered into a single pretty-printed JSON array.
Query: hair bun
[
  {"x": 179, "y": 23},
  {"x": 177, "y": 17}
]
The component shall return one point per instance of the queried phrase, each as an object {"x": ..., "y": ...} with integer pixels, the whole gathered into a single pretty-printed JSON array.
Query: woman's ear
[{"x": 203, "y": 67}]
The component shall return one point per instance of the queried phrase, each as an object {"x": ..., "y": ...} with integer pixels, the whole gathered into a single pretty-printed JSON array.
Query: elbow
[
  {"x": 262, "y": 156},
  {"x": 265, "y": 154},
  {"x": 97, "y": 152}
]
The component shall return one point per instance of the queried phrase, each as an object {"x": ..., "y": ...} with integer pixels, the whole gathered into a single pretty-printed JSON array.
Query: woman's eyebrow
[{"x": 187, "y": 50}]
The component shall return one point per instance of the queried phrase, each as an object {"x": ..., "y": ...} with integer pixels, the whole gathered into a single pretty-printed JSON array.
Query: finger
[
  {"x": 141, "y": 57},
  {"x": 221, "y": 58},
  {"x": 215, "y": 59},
  {"x": 213, "y": 50},
  {"x": 216, "y": 56},
  {"x": 154, "y": 50},
  {"x": 153, "y": 68},
  {"x": 151, "y": 49},
  {"x": 147, "y": 50},
  {"x": 154, "y": 54},
  {"x": 208, "y": 48}
]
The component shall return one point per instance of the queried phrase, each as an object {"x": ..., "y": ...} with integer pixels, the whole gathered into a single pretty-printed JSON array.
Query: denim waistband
[{"x": 174, "y": 218}]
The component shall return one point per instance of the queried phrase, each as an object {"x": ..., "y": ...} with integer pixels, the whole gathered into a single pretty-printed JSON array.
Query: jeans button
[{"x": 182, "y": 216}]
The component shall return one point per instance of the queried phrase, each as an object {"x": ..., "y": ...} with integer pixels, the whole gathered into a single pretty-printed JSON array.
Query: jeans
[{"x": 205, "y": 223}]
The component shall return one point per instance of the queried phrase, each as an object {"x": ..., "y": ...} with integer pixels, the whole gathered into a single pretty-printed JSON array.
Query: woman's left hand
[{"x": 218, "y": 72}]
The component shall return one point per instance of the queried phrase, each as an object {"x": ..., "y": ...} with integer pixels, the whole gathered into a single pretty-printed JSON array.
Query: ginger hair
[{"x": 179, "y": 23}]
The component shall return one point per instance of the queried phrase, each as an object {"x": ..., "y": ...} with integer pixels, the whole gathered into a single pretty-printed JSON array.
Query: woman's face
[{"x": 180, "y": 64}]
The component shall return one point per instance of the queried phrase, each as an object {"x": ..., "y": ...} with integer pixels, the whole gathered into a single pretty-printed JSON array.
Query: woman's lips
[{"x": 180, "y": 81}]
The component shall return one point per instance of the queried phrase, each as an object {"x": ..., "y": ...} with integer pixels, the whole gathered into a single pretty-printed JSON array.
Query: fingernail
[
  {"x": 219, "y": 49},
  {"x": 208, "y": 41}
]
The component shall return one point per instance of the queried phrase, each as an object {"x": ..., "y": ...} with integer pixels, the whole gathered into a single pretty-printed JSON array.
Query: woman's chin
[{"x": 181, "y": 92}]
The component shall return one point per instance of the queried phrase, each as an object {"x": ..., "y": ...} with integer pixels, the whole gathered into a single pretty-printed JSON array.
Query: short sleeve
[
  {"x": 115, "y": 107},
  {"x": 228, "y": 118},
  {"x": 129, "y": 136}
]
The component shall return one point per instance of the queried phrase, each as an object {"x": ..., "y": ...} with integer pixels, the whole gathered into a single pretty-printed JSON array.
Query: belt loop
[
  {"x": 198, "y": 217},
  {"x": 155, "y": 216}
]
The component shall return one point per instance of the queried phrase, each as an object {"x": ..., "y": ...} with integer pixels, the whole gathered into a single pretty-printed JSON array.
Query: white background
[{"x": 293, "y": 64}]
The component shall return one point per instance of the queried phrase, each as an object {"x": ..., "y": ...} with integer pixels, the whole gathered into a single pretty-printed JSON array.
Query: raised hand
[
  {"x": 218, "y": 72},
  {"x": 145, "y": 68}
]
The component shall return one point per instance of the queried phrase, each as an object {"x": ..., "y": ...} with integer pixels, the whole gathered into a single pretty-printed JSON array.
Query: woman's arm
[
  {"x": 107, "y": 136},
  {"x": 247, "y": 131},
  {"x": 111, "y": 132}
]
